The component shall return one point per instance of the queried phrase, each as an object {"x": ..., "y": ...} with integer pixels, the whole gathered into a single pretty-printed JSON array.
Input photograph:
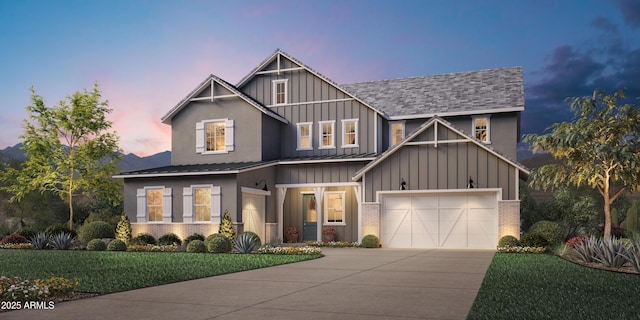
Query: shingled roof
[{"x": 494, "y": 90}]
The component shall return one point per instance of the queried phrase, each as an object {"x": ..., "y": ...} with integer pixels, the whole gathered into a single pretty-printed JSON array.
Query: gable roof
[
  {"x": 278, "y": 53},
  {"x": 211, "y": 80},
  {"x": 437, "y": 120},
  {"x": 484, "y": 91}
]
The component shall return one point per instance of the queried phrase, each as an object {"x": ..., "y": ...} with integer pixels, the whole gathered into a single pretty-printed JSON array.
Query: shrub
[
  {"x": 257, "y": 239},
  {"x": 14, "y": 238},
  {"x": 370, "y": 241},
  {"x": 551, "y": 231},
  {"x": 289, "y": 250},
  {"x": 96, "y": 245},
  {"x": 117, "y": 245},
  {"x": 633, "y": 255},
  {"x": 585, "y": 249},
  {"x": 195, "y": 236},
  {"x": 123, "y": 229},
  {"x": 575, "y": 241},
  {"x": 218, "y": 243},
  {"x": 226, "y": 226},
  {"x": 26, "y": 232},
  {"x": 246, "y": 242},
  {"x": 59, "y": 228},
  {"x": 143, "y": 239},
  {"x": 61, "y": 241},
  {"x": 508, "y": 241},
  {"x": 169, "y": 238},
  {"x": 534, "y": 239},
  {"x": 196, "y": 246},
  {"x": 40, "y": 241},
  {"x": 611, "y": 252},
  {"x": 96, "y": 230}
]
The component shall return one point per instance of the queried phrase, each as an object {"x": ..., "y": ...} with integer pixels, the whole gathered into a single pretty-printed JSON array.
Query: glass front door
[{"x": 309, "y": 218}]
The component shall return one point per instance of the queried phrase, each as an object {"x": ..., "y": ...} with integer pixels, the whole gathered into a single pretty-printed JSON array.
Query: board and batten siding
[
  {"x": 447, "y": 166},
  {"x": 333, "y": 172},
  {"x": 312, "y": 99}
]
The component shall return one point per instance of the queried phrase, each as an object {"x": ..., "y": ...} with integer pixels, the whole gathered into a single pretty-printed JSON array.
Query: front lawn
[
  {"x": 108, "y": 272},
  {"x": 539, "y": 286}
]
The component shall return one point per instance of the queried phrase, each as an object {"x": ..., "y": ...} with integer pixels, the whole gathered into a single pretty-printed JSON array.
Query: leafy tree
[
  {"x": 598, "y": 148},
  {"x": 226, "y": 226},
  {"x": 69, "y": 150}
]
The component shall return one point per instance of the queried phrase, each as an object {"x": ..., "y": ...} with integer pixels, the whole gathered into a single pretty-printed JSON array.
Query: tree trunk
[
  {"x": 71, "y": 204},
  {"x": 607, "y": 213}
]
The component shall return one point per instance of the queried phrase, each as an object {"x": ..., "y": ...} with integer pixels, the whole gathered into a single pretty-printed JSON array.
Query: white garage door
[{"x": 428, "y": 220}]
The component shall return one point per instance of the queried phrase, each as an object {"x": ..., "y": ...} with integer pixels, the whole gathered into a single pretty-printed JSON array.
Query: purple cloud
[{"x": 630, "y": 11}]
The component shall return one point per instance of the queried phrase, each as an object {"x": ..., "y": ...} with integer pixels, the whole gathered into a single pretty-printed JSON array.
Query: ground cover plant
[
  {"x": 107, "y": 271},
  {"x": 540, "y": 286}
]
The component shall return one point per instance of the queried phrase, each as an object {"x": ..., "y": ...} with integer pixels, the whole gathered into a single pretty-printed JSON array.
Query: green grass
[
  {"x": 538, "y": 286},
  {"x": 107, "y": 272}
]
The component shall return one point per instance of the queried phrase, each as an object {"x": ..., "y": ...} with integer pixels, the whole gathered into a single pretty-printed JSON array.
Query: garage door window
[{"x": 334, "y": 208}]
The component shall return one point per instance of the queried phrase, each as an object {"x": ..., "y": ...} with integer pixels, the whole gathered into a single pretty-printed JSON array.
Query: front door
[{"x": 309, "y": 218}]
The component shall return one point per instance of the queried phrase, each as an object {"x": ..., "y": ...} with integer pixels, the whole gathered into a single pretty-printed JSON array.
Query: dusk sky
[{"x": 148, "y": 55}]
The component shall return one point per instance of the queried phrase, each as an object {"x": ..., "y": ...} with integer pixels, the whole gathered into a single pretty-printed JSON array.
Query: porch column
[
  {"x": 318, "y": 192},
  {"x": 282, "y": 192},
  {"x": 357, "y": 189}
]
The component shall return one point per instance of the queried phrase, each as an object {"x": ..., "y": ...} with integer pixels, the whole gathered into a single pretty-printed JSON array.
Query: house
[{"x": 420, "y": 162}]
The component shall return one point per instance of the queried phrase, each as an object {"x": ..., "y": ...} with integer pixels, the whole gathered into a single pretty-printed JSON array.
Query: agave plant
[
  {"x": 586, "y": 250},
  {"x": 633, "y": 255},
  {"x": 40, "y": 241},
  {"x": 611, "y": 252},
  {"x": 245, "y": 243},
  {"x": 61, "y": 241}
]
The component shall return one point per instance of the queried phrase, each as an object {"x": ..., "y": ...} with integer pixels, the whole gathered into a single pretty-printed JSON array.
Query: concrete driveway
[{"x": 347, "y": 283}]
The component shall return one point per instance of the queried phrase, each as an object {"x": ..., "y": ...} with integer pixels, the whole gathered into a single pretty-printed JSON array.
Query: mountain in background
[{"x": 128, "y": 162}]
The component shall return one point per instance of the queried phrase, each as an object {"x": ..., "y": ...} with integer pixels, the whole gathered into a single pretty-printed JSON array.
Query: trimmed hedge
[
  {"x": 117, "y": 245},
  {"x": 96, "y": 230},
  {"x": 370, "y": 241},
  {"x": 196, "y": 246},
  {"x": 96, "y": 245}
]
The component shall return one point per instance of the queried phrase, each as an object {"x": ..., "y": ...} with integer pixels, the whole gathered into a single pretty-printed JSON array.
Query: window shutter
[
  {"x": 141, "y": 214},
  {"x": 199, "y": 137},
  {"x": 228, "y": 135},
  {"x": 216, "y": 204},
  {"x": 166, "y": 205},
  {"x": 187, "y": 205}
]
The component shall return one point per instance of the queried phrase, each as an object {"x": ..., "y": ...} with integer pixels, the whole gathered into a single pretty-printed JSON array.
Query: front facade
[{"x": 419, "y": 162}]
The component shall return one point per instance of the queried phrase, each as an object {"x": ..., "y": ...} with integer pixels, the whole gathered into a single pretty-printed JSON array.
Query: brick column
[
  {"x": 509, "y": 218},
  {"x": 370, "y": 219}
]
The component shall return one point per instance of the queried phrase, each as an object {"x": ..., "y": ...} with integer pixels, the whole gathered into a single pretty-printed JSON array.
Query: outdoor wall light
[
  {"x": 265, "y": 184},
  {"x": 403, "y": 185},
  {"x": 470, "y": 185}
]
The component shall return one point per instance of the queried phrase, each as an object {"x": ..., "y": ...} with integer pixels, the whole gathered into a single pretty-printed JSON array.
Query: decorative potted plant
[
  {"x": 329, "y": 234},
  {"x": 291, "y": 235}
]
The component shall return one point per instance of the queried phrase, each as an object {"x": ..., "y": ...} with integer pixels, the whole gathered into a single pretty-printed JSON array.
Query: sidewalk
[{"x": 347, "y": 283}]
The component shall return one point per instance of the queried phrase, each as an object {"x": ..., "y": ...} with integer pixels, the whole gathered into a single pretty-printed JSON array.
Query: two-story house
[{"x": 420, "y": 162}]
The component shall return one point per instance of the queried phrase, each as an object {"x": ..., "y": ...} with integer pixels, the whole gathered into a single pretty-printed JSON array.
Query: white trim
[
  {"x": 224, "y": 96},
  {"x": 311, "y": 185},
  {"x": 142, "y": 214},
  {"x": 310, "y": 102},
  {"x": 255, "y": 191},
  {"x": 321, "y": 135},
  {"x": 325, "y": 161},
  {"x": 278, "y": 71},
  {"x": 381, "y": 193},
  {"x": 488, "y": 129},
  {"x": 274, "y": 92},
  {"x": 456, "y": 113},
  {"x": 344, "y": 133},
  {"x": 420, "y": 143},
  {"x": 201, "y": 129},
  {"x": 391, "y": 132},
  {"x": 375, "y": 133},
  {"x": 517, "y": 185},
  {"x": 325, "y": 221},
  {"x": 188, "y": 205},
  {"x": 298, "y": 126}
]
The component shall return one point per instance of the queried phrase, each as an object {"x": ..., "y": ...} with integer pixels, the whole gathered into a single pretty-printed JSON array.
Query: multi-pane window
[
  {"x": 327, "y": 137},
  {"x": 214, "y": 136},
  {"x": 481, "y": 128},
  {"x": 202, "y": 204},
  {"x": 304, "y": 136},
  {"x": 279, "y": 92},
  {"x": 154, "y": 204},
  {"x": 350, "y": 133},
  {"x": 397, "y": 132},
  {"x": 334, "y": 207}
]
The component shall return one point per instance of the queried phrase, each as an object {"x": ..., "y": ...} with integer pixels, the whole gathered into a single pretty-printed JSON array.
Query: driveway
[{"x": 347, "y": 283}]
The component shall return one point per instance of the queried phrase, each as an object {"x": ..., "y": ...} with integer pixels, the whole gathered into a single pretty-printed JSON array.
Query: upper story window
[
  {"x": 280, "y": 92},
  {"x": 481, "y": 128},
  {"x": 397, "y": 131},
  {"x": 214, "y": 136},
  {"x": 305, "y": 137},
  {"x": 327, "y": 134},
  {"x": 334, "y": 213},
  {"x": 349, "y": 133}
]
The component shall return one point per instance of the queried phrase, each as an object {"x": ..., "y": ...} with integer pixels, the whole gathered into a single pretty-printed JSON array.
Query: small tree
[
  {"x": 68, "y": 148},
  {"x": 599, "y": 148},
  {"x": 123, "y": 230},
  {"x": 226, "y": 226}
]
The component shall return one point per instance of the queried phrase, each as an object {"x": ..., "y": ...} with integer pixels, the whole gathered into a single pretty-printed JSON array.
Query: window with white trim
[
  {"x": 201, "y": 203},
  {"x": 327, "y": 135},
  {"x": 305, "y": 137},
  {"x": 214, "y": 136},
  {"x": 349, "y": 133},
  {"x": 334, "y": 208},
  {"x": 481, "y": 128},
  {"x": 154, "y": 204},
  {"x": 397, "y": 132},
  {"x": 280, "y": 91}
]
